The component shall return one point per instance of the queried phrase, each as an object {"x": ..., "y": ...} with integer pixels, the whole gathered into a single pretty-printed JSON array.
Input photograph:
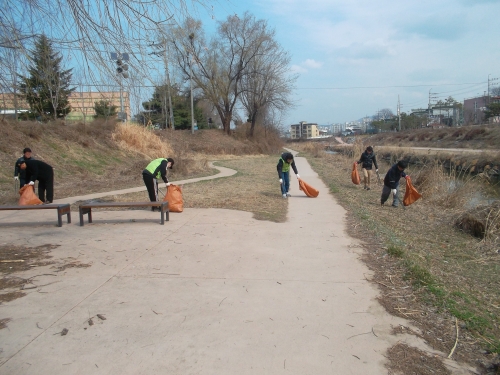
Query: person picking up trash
[
  {"x": 44, "y": 173},
  {"x": 391, "y": 182},
  {"x": 367, "y": 160},
  {"x": 152, "y": 173},
  {"x": 286, "y": 161}
]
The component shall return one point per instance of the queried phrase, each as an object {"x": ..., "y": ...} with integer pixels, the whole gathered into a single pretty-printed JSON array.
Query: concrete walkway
[{"x": 212, "y": 291}]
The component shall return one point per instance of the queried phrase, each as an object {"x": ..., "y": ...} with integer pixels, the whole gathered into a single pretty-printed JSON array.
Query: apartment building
[
  {"x": 82, "y": 103},
  {"x": 304, "y": 130}
]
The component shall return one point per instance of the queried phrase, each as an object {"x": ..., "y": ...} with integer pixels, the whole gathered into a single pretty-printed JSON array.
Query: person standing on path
[
  {"x": 44, "y": 173},
  {"x": 367, "y": 160},
  {"x": 391, "y": 182},
  {"x": 20, "y": 174},
  {"x": 286, "y": 161},
  {"x": 152, "y": 173}
]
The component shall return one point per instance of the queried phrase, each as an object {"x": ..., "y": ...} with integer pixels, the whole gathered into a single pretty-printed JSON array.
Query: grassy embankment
[{"x": 454, "y": 277}]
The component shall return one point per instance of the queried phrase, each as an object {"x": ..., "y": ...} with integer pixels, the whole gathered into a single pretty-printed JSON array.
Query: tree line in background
[{"x": 240, "y": 66}]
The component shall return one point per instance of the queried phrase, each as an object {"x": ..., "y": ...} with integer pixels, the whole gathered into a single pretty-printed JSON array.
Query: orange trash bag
[
  {"x": 174, "y": 198},
  {"x": 308, "y": 189},
  {"x": 411, "y": 194},
  {"x": 355, "y": 175},
  {"x": 28, "y": 196}
]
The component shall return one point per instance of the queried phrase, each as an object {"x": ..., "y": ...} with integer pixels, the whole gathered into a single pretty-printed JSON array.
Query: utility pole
[
  {"x": 191, "y": 37},
  {"x": 170, "y": 108},
  {"x": 399, "y": 114}
]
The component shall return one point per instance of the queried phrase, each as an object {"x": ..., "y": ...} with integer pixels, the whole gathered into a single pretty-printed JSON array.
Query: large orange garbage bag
[
  {"x": 355, "y": 175},
  {"x": 28, "y": 196},
  {"x": 174, "y": 198},
  {"x": 411, "y": 194},
  {"x": 308, "y": 189}
]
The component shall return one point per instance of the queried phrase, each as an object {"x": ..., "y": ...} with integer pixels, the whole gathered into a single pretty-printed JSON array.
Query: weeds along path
[{"x": 224, "y": 172}]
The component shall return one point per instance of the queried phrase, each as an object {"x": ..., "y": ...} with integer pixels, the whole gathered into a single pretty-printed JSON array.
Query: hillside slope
[{"x": 99, "y": 157}]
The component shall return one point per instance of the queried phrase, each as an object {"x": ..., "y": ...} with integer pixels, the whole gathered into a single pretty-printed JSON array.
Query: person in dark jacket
[
  {"x": 153, "y": 172},
  {"x": 44, "y": 173},
  {"x": 286, "y": 161},
  {"x": 367, "y": 160},
  {"x": 391, "y": 182},
  {"x": 20, "y": 174}
]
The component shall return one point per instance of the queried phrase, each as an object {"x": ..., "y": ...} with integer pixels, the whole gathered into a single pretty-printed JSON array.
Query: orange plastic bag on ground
[
  {"x": 28, "y": 196},
  {"x": 308, "y": 189},
  {"x": 355, "y": 175},
  {"x": 411, "y": 194},
  {"x": 174, "y": 198}
]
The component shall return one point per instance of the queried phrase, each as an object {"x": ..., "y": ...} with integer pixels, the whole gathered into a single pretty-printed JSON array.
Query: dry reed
[{"x": 140, "y": 140}]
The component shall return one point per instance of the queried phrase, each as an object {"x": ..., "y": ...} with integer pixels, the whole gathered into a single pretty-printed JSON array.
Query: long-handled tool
[
  {"x": 378, "y": 177},
  {"x": 16, "y": 187}
]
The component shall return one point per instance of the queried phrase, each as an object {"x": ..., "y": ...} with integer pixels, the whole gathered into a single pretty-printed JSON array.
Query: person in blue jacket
[
  {"x": 391, "y": 182},
  {"x": 286, "y": 161}
]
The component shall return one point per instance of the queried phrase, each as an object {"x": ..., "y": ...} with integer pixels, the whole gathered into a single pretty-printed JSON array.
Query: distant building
[
  {"x": 474, "y": 109},
  {"x": 304, "y": 130},
  {"x": 82, "y": 103}
]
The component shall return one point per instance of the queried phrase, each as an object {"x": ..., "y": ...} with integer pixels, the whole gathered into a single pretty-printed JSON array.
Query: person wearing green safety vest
[
  {"x": 286, "y": 161},
  {"x": 152, "y": 173}
]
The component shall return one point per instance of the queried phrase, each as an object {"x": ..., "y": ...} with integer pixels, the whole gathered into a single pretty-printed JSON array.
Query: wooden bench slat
[
  {"x": 86, "y": 208},
  {"x": 62, "y": 209}
]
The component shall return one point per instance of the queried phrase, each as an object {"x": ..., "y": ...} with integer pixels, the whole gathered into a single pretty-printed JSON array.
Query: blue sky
[{"x": 355, "y": 57}]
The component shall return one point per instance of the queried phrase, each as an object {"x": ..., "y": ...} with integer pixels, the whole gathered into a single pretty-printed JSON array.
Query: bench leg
[
  {"x": 84, "y": 211},
  {"x": 81, "y": 216},
  {"x": 64, "y": 211},
  {"x": 59, "y": 219},
  {"x": 68, "y": 217}
]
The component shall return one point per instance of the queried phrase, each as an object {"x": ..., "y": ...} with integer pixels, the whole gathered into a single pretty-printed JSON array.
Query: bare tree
[
  {"x": 266, "y": 86},
  {"x": 88, "y": 31},
  {"x": 218, "y": 67}
]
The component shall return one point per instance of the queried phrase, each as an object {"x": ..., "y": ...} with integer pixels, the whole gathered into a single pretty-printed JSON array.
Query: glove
[
  {"x": 297, "y": 176},
  {"x": 407, "y": 177},
  {"x": 376, "y": 170},
  {"x": 31, "y": 183},
  {"x": 281, "y": 181},
  {"x": 355, "y": 163},
  {"x": 394, "y": 191},
  {"x": 167, "y": 184},
  {"x": 16, "y": 178}
]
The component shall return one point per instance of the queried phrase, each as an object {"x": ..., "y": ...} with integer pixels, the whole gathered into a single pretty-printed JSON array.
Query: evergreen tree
[
  {"x": 47, "y": 87},
  {"x": 104, "y": 108},
  {"x": 156, "y": 111}
]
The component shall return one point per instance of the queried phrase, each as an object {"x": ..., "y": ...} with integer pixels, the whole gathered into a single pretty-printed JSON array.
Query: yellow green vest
[{"x": 151, "y": 168}]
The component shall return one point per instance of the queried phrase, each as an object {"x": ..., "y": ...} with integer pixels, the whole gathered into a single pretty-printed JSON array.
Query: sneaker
[
  {"x": 364, "y": 187},
  {"x": 288, "y": 194},
  {"x": 284, "y": 195},
  {"x": 368, "y": 188},
  {"x": 381, "y": 203}
]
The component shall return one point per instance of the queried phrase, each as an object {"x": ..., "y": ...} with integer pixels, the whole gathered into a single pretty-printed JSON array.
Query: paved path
[{"x": 212, "y": 291}]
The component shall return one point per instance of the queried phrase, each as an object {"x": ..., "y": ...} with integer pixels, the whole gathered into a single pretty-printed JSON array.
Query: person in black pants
[
  {"x": 152, "y": 173},
  {"x": 20, "y": 174},
  {"x": 38, "y": 170}
]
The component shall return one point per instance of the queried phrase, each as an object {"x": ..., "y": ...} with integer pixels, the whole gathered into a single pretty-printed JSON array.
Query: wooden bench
[
  {"x": 62, "y": 209},
  {"x": 86, "y": 209}
]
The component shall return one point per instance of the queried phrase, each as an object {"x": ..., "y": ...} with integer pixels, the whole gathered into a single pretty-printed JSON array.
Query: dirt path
[{"x": 211, "y": 291}]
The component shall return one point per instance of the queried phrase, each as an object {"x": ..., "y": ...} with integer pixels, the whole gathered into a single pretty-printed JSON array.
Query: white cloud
[
  {"x": 297, "y": 69},
  {"x": 313, "y": 64}
]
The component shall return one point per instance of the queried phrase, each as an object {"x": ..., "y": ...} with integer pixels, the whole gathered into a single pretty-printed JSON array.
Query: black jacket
[
  {"x": 38, "y": 170},
  {"x": 18, "y": 170},
  {"x": 284, "y": 157},
  {"x": 393, "y": 176},
  {"x": 366, "y": 160},
  {"x": 162, "y": 168}
]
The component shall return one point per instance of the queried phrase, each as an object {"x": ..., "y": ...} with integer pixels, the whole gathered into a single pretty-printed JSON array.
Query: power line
[{"x": 387, "y": 87}]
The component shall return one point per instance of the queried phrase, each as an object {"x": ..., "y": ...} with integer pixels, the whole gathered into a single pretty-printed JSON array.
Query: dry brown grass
[
  {"x": 449, "y": 273},
  {"x": 472, "y": 137},
  {"x": 252, "y": 189},
  {"x": 139, "y": 139}
]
